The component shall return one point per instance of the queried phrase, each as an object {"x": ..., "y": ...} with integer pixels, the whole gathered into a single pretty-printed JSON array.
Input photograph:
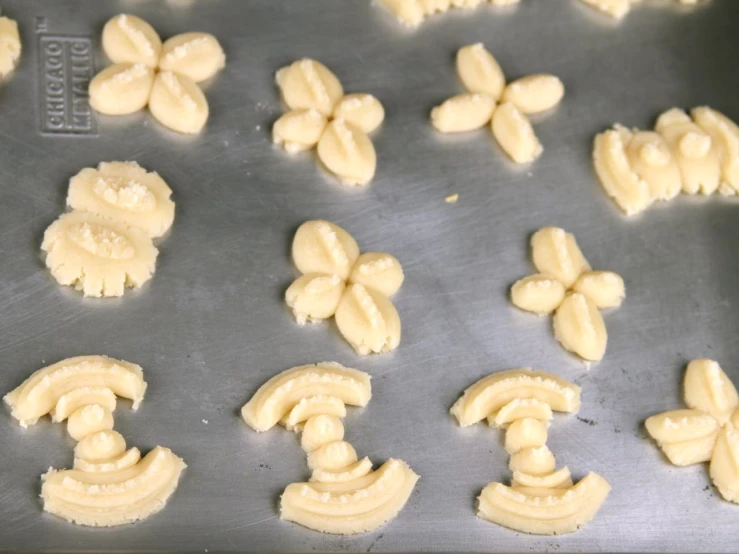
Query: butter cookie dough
[
  {"x": 344, "y": 495},
  {"x": 109, "y": 484},
  {"x": 540, "y": 500},
  {"x": 338, "y": 281},
  {"x": 10, "y": 46},
  {"x": 322, "y": 116}
]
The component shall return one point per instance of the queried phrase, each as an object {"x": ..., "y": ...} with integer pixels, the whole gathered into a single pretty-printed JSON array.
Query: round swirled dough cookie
[
  {"x": 125, "y": 192},
  {"x": 97, "y": 255},
  {"x": 178, "y": 103},
  {"x": 130, "y": 39},
  {"x": 121, "y": 88},
  {"x": 198, "y": 56}
]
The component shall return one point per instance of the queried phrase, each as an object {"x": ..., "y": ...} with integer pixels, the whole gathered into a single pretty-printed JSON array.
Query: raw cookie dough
[
  {"x": 163, "y": 76},
  {"x": 338, "y": 281},
  {"x": 121, "y": 89},
  {"x": 413, "y": 12},
  {"x": 568, "y": 287},
  {"x": 707, "y": 431},
  {"x": 540, "y": 499},
  {"x": 10, "y": 46},
  {"x": 618, "y": 9},
  {"x": 344, "y": 495},
  {"x": 323, "y": 117},
  {"x": 125, "y": 192},
  {"x": 97, "y": 255},
  {"x": 482, "y": 76},
  {"x": 699, "y": 155},
  {"x": 109, "y": 485}
]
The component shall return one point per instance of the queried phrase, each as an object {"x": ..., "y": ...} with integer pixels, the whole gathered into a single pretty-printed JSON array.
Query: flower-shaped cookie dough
[
  {"x": 706, "y": 432},
  {"x": 164, "y": 76},
  {"x": 10, "y": 46},
  {"x": 698, "y": 155},
  {"x": 338, "y": 281},
  {"x": 504, "y": 107},
  {"x": 109, "y": 485},
  {"x": 105, "y": 244},
  {"x": 322, "y": 115},
  {"x": 568, "y": 287},
  {"x": 541, "y": 499}
]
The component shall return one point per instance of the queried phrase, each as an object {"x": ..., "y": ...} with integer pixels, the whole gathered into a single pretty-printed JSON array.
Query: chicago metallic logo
[{"x": 66, "y": 68}]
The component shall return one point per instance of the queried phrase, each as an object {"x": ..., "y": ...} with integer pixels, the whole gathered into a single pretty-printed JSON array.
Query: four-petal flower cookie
[
  {"x": 567, "y": 286},
  {"x": 338, "y": 281},
  {"x": 321, "y": 115},
  {"x": 164, "y": 76},
  {"x": 541, "y": 500},
  {"x": 706, "y": 432},
  {"x": 504, "y": 107}
]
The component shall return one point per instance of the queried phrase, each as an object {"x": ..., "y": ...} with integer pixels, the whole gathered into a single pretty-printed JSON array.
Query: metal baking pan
[{"x": 211, "y": 326}]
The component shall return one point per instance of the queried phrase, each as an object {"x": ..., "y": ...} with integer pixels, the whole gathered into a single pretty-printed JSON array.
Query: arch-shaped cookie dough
[
  {"x": 355, "y": 506},
  {"x": 560, "y": 479},
  {"x": 520, "y": 408},
  {"x": 321, "y": 404},
  {"x": 42, "y": 392},
  {"x": 281, "y": 393},
  {"x": 493, "y": 392},
  {"x": 125, "y": 192}
]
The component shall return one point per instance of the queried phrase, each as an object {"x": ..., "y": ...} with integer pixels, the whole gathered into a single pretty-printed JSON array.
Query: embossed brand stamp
[{"x": 66, "y": 68}]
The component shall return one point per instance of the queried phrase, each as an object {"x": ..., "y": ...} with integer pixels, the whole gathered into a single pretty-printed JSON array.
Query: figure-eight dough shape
[
  {"x": 164, "y": 76},
  {"x": 337, "y": 281},
  {"x": 344, "y": 495},
  {"x": 540, "y": 499},
  {"x": 322, "y": 116},
  {"x": 109, "y": 485},
  {"x": 708, "y": 431},
  {"x": 490, "y": 101},
  {"x": 567, "y": 286}
]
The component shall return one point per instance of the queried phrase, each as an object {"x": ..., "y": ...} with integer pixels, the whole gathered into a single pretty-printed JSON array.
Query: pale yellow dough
[
  {"x": 10, "y": 46},
  {"x": 479, "y": 71},
  {"x": 121, "y": 89},
  {"x": 361, "y": 110},
  {"x": 538, "y": 294},
  {"x": 338, "y": 282},
  {"x": 97, "y": 255},
  {"x": 344, "y": 495},
  {"x": 707, "y": 432},
  {"x": 109, "y": 485},
  {"x": 652, "y": 161},
  {"x": 348, "y": 153},
  {"x": 308, "y": 84},
  {"x": 580, "y": 328},
  {"x": 125, "y": 192},
  {"x": 541, "y": 500},
  {"x": 178, "y": 103},
  {"x": 556, "y": 253},
  {"x": 534, "y": 93},
  {"x": 130, "y": 39},
  {"x": 462, "y": 113},
  {"x": 725, "y": 135},
  {"x": 299, "y": 130},
  {"x": 413, "y": 12},
  {"x": 198, "y": 56},
  {"x": 515, "y": 135}
]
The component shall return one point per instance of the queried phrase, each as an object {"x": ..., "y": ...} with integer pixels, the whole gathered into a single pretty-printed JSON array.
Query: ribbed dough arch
[
  {"x": 354, "y": 506},
  {"x": 493, "y": 392},
  {"x": 108, "y": 498},
  {"x": 277, "y": 397},
  {"x": 58, "y": 384},
  {"x": 543, "y": 511}
]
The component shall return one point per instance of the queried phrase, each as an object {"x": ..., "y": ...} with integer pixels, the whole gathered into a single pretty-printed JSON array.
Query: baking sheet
[{"x": 211, "y": 326}]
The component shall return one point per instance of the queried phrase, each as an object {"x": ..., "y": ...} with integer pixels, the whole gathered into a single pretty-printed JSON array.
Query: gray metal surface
[{"x": 211, "y": 326}]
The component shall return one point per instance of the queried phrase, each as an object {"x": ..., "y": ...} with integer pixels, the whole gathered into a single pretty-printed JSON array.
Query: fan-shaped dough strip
[
  {"x": 343, "y": 475},
  {"x": 520, "y": 408},
  {"x": 128, "y": 459},
  {"x": 355, "y": 511},
  {"x": 277, "y": 396},
  {"x": 562, "y": 512},
  {"x": 83, "y": 396},
  {"x": 39, "y": 394},
  {"x": 493, "y": 392},
  {"x": 312, "y": 406},
  {"x": 562, "y": 478}
]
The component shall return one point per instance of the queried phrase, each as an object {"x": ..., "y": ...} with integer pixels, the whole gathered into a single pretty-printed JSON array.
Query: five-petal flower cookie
[
  {"x": 105, "y": 244},
  {"x": 567, "y": 286},
  {"x": 10, "y": 46},
  {"x": 109, "y": 484},
  {"x": 706, "y": 432},
  {"x": 541, "y": 500},
  {"x": 337, "y": 281},
  {"x": 698, "y": 155},
  {"x": 322, "y": 116},
  {"x": 344, "y": 495},
  {"x": 162, "y": 76},
  {"x": 490, "y": 100}
]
